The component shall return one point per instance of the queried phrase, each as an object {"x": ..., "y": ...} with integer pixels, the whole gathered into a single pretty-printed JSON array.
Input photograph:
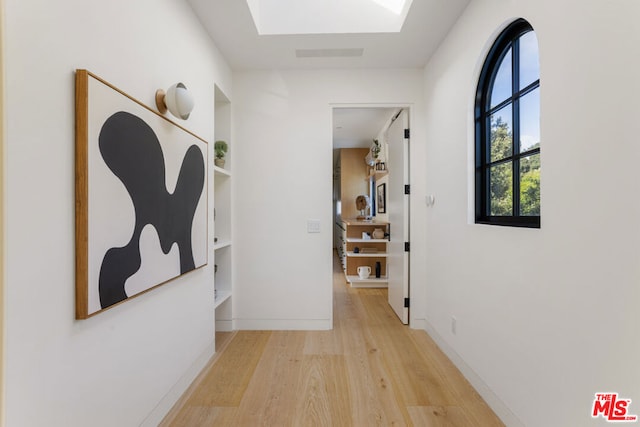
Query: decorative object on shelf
[
  {"x": 366, "y": 236},
  {"x": 177, "y": 100},
  {"x": 378, "y": 233},
  {"x": 121, "y": 209},
  {"x": 362, "y": 204},
  {"x": 364, "y": 271},
  {"x": 356, "y": 250},
  {"x": 382, "y": 198},
  {"x": 378, "y": 268},
  {"x": 381, "y": 166},
  {"x": 220, "y": 147},
  {"x": 375, "y": 149},
  {"x": 372, "y": 156}
]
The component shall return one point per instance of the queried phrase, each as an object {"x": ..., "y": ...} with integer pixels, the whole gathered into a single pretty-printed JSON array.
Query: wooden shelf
[
  {"x": 367, "y": 255},
  {"x": 351, "y": 233},
  {"x": 372, "y": 279},
  {"x": 370, "y": 282},
  {"x": 221, "y": 297},
  {"x": 376, "y": 175},
  {"x": 222, "y": 244},
  {"x": 355, "y": 240},
  {"x": 364, "y": 223}
]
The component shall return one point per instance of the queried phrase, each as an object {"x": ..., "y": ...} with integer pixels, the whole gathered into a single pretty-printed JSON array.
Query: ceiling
[
  {"x": 357, "y": 127},
  {"x": 231, "y": 26}
]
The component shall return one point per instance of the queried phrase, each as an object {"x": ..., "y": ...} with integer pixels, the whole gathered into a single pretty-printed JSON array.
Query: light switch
[{"x": 313, "y": 226}]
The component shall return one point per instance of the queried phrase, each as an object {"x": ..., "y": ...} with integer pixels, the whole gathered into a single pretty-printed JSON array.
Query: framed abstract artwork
[
  {"x": 381, "y": 198},
  {"x": 141, "y": 197}
]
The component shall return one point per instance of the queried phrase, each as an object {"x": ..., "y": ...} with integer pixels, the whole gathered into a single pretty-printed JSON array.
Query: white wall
[
  {"x": 283, "y": 176},
  {"x": 112, "y": 369},
  {"x": 548, "y": 317}
]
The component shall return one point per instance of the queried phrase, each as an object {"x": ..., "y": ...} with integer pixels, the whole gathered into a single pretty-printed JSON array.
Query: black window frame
[{"x": 508, "y": 39}]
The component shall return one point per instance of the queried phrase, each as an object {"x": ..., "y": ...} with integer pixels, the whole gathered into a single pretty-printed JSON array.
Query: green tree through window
[{"x": 501, "y": 177}]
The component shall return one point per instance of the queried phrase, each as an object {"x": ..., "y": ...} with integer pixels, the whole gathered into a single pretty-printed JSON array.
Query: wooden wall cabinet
[{"x": 353, "y": 171}]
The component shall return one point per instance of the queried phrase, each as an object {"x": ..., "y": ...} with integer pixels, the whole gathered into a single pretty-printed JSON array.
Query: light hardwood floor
[{"x": 370, "y": 370}]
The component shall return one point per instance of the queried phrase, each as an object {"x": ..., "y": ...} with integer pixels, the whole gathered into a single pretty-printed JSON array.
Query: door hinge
[
  {"x": 407, "y": 132},
  {"x": 407, "y": 189},
  {"x": 406, "y": 302},
  {"x": 406, "y": 246}
]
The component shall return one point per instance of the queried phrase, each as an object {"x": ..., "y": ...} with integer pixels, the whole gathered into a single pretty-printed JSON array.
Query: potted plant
[
  {"x": 375, "y": 149},
  {"x": 220, "y": 148}
]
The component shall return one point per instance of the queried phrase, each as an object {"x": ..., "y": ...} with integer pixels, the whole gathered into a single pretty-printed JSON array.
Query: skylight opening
[{"x": 282, "y": 17}]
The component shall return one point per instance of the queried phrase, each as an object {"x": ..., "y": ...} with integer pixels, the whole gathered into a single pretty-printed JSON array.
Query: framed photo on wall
[
  {"x": 381, "y": 198},
  {"x": 141, "y": 197}
]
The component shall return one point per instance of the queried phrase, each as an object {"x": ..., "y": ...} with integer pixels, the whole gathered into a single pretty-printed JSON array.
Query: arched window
[{"x": 507, "y": 127}]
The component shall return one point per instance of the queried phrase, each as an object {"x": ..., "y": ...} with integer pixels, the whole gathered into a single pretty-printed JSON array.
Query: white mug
[{"x": 364, "y": 271}]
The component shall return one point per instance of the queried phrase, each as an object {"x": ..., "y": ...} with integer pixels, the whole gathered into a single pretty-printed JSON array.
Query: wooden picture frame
[
  {"x": 381, "y": 198},
  {"x": 141, "y": 197}
]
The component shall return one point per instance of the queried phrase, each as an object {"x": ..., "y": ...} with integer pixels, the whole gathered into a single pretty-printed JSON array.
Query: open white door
[{"x": 398, "y": 208}]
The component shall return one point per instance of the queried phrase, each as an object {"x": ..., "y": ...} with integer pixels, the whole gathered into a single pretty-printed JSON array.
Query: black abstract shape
[{"x": 132, "y": 151}]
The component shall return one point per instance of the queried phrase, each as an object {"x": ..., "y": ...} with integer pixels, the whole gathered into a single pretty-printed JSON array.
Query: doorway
[{"x": 371, "y": 159}]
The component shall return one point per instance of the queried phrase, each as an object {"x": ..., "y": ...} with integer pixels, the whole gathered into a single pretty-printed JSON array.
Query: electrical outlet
[{"x": 454, "y": 325}]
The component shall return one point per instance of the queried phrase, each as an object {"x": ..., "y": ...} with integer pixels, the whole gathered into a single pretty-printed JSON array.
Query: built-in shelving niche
[{"x": 222, "y": 241}]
